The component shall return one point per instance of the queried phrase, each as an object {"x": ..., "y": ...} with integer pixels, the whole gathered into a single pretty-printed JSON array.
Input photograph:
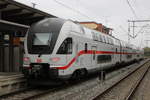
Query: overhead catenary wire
[
  {"x": 142, "y": 29},
  {"x": 123, "y": 29},
  {"x": 133, "y": 11},
  {"x": 70, "y": 8}
]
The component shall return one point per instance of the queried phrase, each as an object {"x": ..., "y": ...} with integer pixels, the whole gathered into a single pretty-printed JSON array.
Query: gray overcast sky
[{"x": 112, "y": 13}]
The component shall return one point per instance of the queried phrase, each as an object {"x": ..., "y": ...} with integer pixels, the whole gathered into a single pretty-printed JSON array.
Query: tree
[{"x": 146, "y": 51}]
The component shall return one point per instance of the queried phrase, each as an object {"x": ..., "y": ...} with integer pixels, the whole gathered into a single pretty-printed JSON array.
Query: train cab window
[{"x": 66, "y": 47}]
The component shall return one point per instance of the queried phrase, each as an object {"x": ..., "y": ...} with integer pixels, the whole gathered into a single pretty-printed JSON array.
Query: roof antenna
[{"x": 33, "y": 5}]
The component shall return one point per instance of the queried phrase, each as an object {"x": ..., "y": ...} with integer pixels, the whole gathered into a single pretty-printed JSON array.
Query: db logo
[{"x": 38, "y": 60}]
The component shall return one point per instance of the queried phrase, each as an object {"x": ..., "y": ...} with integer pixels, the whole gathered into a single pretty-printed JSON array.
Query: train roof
[
  {"x": 43, "y": 25},
  {"x": 116, "y": 40},
  {"x": 86, "y": 32}
]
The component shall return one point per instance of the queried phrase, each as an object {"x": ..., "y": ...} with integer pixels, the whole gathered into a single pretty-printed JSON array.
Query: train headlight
[
  {"x": 26, "y": 60},
  {"x": 55, "y": 59}
]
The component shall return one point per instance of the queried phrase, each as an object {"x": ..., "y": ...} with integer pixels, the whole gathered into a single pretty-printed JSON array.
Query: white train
[{"x": 61, "y": 49}]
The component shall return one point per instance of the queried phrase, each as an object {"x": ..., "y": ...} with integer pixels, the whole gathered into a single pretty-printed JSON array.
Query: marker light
[
  {"x": 26, "y": 59},
  {"x": 55, "y": 59}
]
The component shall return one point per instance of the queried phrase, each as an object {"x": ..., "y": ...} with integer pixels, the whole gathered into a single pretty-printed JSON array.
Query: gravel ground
[
  {"x": 143, "y": 91},
  {"x": 87, "y": 90}
]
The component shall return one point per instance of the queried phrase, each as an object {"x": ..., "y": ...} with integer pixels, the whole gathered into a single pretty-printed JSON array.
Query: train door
[
  {"x": 93, "y": 57},
  {"x": 69, "y": 47},
  {"x": 76, "y": 53}
]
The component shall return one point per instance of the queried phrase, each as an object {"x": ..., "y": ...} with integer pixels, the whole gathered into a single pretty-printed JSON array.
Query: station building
[
  {"x": 98, "y": 27},
  {"x": 15, "y": 19}
]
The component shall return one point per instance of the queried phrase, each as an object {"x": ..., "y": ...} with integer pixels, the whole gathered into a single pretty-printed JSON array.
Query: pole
[
  {"x": 33, "y": 5},
  {"x": 128, "y": 32}
]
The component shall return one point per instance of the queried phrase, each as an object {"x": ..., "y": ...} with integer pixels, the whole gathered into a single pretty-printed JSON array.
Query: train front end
[{"x": 39, "y": 45}]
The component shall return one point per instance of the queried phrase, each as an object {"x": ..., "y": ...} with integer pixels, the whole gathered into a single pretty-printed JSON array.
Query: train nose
[
  {"x": 36, "y": 70},
  {"x": 43, "y": 71},
  {"x": 40, "y": 70}
]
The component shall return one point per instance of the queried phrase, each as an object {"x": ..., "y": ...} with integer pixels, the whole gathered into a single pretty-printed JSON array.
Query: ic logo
[{"x": 38, "y": 60}]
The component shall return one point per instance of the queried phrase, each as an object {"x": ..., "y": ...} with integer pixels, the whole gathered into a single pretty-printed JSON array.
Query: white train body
[{"x": 59, "y": 48}]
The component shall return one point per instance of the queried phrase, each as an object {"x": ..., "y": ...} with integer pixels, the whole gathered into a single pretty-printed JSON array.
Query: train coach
[{"x": 62, "y": 49}]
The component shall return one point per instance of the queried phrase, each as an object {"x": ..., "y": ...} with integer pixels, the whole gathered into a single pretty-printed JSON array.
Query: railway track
[
  {"x": 33, "y": 93},
  {"x": 30, "y": 93},
  {"x": 141, "y": 89},
  {"x": 62, "y": 92},
  {"x": 134, "y": 89},
  {"x": 125, "y": 88},
  {"x": 76, "y": 92}
]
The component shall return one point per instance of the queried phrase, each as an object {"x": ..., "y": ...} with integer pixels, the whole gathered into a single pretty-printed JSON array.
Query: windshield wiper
[{"x": 43, "y": 50}]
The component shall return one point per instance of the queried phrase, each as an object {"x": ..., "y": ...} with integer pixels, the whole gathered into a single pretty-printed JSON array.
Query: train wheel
[
  {"x": 84, "y": 73},
  {"x": 79, "y": 74},
  {"x": 76, "y": 75}
]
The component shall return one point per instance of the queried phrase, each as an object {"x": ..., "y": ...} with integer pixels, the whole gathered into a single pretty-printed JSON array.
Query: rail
[{"x": 115, "y": 84}]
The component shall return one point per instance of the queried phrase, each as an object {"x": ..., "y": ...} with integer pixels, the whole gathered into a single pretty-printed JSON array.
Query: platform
[{"x": 11, "y": 82}]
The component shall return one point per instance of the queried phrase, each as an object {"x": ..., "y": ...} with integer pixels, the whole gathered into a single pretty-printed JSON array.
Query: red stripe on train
[{"x": 90, "y": 52}]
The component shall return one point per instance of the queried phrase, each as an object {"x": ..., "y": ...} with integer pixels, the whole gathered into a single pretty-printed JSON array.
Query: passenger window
[
  {"x": 104, "y": 40},
  {"x": 66, "y": 47},
  {"x": 100, "y": 38},
  {"x": 103, "y": 58},
  {"x": 107, "y": 40},
  {"x": 128, "y": 56},
  {"x": 112, "y": 41},
  {"x": 93, "y": 35},
  {"x": 96, "y": 37}
]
